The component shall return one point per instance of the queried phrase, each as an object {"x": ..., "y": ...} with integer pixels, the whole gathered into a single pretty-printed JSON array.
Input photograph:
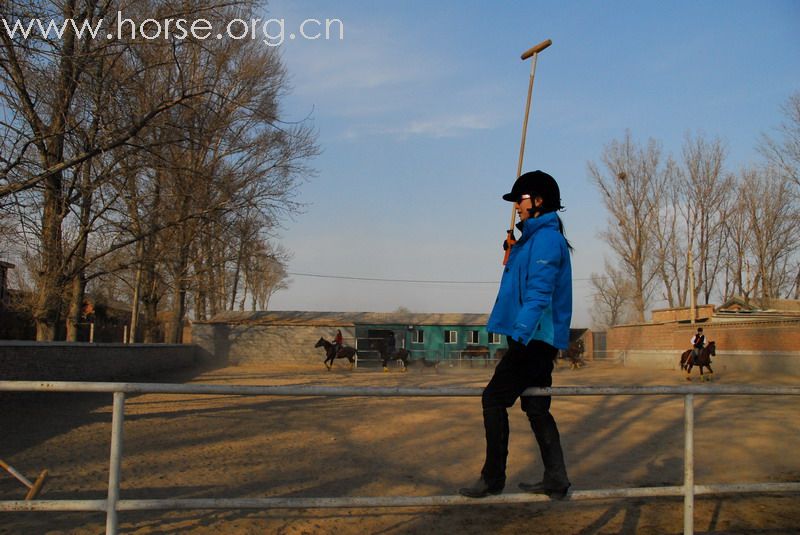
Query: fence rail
[{"x": 113, "y": 504}]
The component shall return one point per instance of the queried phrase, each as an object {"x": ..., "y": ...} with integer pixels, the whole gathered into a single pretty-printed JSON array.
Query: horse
[
  {"x": 574, "y": 354},
  {"x": 402, "y": 354},
  {"x": 476, "y": 352},
  {"x": 345, "y": 352},
  {"x": 703, "y": 360}
]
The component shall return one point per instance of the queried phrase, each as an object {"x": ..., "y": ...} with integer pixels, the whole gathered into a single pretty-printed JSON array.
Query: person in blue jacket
[{"x": 533, "y": 309}]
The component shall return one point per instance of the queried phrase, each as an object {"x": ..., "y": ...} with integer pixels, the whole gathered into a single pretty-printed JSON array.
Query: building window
[
  {"x": 417, "y": 337},
  {"x": 473, "y": 337},
  {"x": 494, "y": 338},
  {"x": 450, "y": 337}
]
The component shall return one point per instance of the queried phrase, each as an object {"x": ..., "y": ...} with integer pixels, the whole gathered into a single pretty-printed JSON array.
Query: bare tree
[
  {"x": 669, "y": 239},
  {"x": 772, "y": 226},
  {"x": 240, "y": 159},
  {"x": 43, "y": 79},
  {"x": 784, "y": 153},
  {"x": 265, "y": 274},
  {"x": 631, "y": 185},
  {"x": 736, "y": 244},
  {"x": 611, "y": 298},
  {"x": 707, "y": 196},
  {"x": 148, "y": 142}
]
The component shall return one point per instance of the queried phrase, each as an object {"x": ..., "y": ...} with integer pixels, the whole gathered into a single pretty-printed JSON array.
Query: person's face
[{"x": 524, "y": 205}]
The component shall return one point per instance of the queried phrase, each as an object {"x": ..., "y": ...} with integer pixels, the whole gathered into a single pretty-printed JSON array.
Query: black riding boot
[
  {"x": 546, "y": 432},
  {"x": 495, "y": 422}
]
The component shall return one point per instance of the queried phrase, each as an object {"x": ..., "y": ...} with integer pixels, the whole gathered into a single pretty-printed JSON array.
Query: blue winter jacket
[{"x": 535, "y": 297}]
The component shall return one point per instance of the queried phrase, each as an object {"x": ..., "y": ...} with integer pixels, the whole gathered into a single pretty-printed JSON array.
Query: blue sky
[{"x": 419, "y": 114}]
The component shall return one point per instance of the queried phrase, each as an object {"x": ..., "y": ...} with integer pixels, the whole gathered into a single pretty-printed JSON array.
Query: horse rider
[
  {"x": 338, "y": 342},
  {"x": 698, "y": 343}
]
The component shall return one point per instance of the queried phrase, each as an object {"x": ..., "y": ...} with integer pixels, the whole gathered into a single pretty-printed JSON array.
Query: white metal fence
[{"x": 113, "y": 503}]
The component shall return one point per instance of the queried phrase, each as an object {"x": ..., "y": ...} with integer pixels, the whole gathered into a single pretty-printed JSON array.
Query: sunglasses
[{"x": 523, "y": 197}]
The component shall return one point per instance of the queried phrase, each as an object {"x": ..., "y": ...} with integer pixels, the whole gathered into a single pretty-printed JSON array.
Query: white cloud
[
  {"x": 444, "y": 126},
  {"x": 367, "y": 59},
  {"x": 447, "y": 126}
]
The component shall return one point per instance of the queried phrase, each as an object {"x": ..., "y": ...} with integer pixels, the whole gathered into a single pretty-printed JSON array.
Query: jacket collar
[{"x": 532, "y": 225}]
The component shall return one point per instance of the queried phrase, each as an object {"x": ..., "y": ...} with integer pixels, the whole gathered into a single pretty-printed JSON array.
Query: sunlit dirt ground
[{"x": 207, "y": 446}]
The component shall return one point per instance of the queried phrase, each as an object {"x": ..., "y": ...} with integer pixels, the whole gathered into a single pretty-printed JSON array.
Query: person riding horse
[
  {"x": 701, "y": 360},
  {"x": 331, "y": 353}
]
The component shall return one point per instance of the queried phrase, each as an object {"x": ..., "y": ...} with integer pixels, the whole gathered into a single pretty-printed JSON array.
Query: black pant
[{"x": 522, "y": 367}]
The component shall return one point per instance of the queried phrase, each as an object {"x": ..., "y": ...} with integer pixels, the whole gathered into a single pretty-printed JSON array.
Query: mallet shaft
[
  {"x": 10, "y": 469},
  {"x": 533, "y": 51}
]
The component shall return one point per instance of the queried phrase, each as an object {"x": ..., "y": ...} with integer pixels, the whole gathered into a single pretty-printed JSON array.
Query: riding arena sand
[{"x": 215, "y": 446}]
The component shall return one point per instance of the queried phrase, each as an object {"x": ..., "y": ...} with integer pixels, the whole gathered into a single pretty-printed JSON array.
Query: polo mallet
[
  {"x": 534, "y": 53},
  {"x": 33, "y": 488}
]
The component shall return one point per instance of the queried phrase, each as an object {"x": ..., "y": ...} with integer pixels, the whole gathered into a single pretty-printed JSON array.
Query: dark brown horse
[
  {"x": 702, "y": 360},
  {"x": 574, "y": 354},
  {"x": 476, "y": 352},
  {"x": 388, "y": 353},
  {"x": 345, "y": 352}
]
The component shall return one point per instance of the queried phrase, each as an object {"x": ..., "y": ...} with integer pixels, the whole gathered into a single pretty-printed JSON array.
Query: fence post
[
  {"x": 688, "y": 466},
  {"x": 117, "y": 418}
]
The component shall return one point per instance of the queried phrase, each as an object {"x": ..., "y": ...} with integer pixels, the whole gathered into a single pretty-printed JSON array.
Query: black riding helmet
[{"x": 537, "y": 184}]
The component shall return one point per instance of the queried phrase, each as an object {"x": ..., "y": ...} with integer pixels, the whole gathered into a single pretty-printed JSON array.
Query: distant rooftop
[{"x": 346, "y": 319}]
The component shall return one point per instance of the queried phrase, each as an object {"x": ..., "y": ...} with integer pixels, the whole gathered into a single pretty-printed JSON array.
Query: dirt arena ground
[{"x": 223, "y": 446}]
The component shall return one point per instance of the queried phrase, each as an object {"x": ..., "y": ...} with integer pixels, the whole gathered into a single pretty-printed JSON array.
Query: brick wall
[
  {"x": 243, "y": 344},
  {"x": 32, "y": 361},
  {"x": 777, "y": 335},
  {"x": 753, "y": 346},
  {"x": 681, "y": 314}
]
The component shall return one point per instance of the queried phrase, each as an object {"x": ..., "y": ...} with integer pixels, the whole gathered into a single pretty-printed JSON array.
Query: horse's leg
[
  {"x": 385, "y": 365},
  {"x": 710, "y": 371},
  {"x": 405, "y": 363}
]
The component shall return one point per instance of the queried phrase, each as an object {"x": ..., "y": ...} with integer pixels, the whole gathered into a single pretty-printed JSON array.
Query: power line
[
  {"x": 409, "y": 281},
  {"x": 377, "y": 279}
]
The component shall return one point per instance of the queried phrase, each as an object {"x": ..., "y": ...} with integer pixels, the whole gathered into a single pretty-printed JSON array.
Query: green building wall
[{"x": 433, "y": 346}]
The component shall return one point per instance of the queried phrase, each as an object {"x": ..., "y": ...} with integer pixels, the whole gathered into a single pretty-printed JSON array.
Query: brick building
[
  {"x": 748, "y": 337},
  {"x": 275, "y": 336}
]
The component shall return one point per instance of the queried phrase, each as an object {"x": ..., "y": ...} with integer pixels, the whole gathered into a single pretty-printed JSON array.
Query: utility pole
[{"x": 692, "y": 303}]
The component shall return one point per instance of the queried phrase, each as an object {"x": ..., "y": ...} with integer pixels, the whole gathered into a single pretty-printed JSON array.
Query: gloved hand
[{"x": 510, "y": 238}]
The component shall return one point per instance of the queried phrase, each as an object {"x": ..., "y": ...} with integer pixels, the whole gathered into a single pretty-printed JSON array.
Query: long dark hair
[
  {"x": 561, "y": 230},
  {"x": 548, "y": 207}
]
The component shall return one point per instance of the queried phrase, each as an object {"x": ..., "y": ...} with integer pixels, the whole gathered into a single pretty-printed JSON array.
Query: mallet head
[{"x": 536, "y": 49}]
